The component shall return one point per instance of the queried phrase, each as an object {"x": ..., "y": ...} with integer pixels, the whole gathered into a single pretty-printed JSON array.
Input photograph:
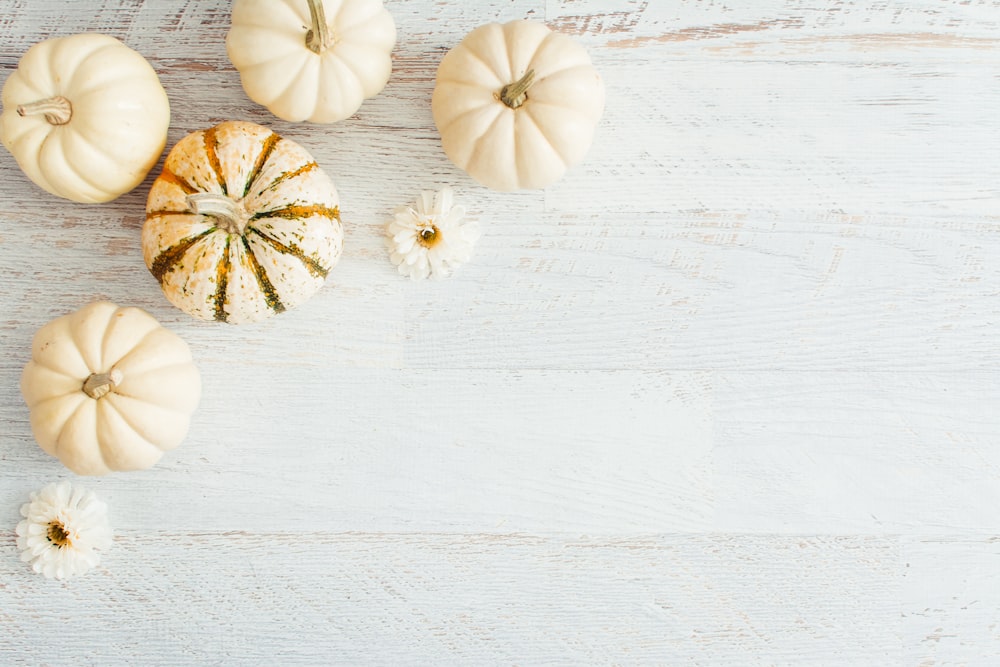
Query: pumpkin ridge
[
  {"x": 110, "y": 405},
  {"x": 87, "y": 176},
  {"x": 288, "y": 175},
  {"x": 80, "y": 83},
  {"x": 490, "y": 105},
  {"x": 211, "y": 140},
  {"x": 69, "y": 420},
  {"x": 99, "y": 313},
  {"x": 105, "y": 446},
  {"x": 160, "y": 214},
  {"x": 166, "y": 260},
  {"x": 547, "y": 140},
  {"x": 49, "y": 368},
  {"x": 477, "y": 146},
  {"x": 475, "y": 56},
  {"x": 262, "y": 158},
  {"x": 266, "y": 287},
  {"x": 314, "y": 267},
  {"x": 54, "y": 331},
  {"x": 222, "y": 282},
  {"x": 124, "y": 404},
  {"x": 296, "y": 211},
  {"x": 73, "y": 392},
  {"x": 340, "y": 28},
  {"x": 170, "y": 177},
  {"x": 125, "y": 395},
  {"x": 108, "y": 330},
  {"x": 292, "y": 81},
  {"x": 125, "y": 359}
]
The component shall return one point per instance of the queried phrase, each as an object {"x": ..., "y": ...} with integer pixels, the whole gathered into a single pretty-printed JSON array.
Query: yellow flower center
[
  {"x": 58, "y": 535},
  {"x": 428, "y": 237}
]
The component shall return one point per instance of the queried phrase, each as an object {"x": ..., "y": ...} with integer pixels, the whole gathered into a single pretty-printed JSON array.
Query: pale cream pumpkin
[
  {"x": 85, "y": 116},
  {"x": 241, "y": 224},
  {"x": 314, "y": 60},
  {"x": 517, "y": 104},
  {"x": 109, "y": 389}
]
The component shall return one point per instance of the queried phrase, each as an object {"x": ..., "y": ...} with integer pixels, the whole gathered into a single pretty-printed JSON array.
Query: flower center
[
  {"x": 57, "y": 534},
  {"x": 428, "y": 236}
]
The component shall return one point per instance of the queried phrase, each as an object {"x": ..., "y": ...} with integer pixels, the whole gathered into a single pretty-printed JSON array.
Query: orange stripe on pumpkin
[
  {"x": 262, "y": 159},
  {"x": 171, "y": 177},
  {"x": 212, "y": 153},
  {"x": 296, "y": 211}
]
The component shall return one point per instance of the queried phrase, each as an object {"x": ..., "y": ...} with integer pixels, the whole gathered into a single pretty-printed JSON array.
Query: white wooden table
[{"x": 726, "y": 394}]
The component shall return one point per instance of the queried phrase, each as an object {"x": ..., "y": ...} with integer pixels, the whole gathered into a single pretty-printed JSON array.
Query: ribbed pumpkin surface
[{"x": 287, "y": 234}]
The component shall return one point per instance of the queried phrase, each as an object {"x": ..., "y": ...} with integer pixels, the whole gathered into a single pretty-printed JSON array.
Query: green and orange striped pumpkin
[{"x": 242, "y": 224}]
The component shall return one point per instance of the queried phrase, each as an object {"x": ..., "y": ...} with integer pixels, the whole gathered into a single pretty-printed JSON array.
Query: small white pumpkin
[
  {"x": 314, "y": 60},
  {"x": 109, "y": 389},
  {"x": 85, "y": 116},
  {"x": 241, "y": 224},
  {"x": 517, "y": 104}
]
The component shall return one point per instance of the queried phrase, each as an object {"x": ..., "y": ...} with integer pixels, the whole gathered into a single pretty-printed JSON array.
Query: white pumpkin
[
  {"x": 241, "y": 224},
  {"x": 85, "y": 116},
  {"x": 517, "y": 104},
  {"x": 314, "y": 60},
  {"x": 109, "y": 389}
]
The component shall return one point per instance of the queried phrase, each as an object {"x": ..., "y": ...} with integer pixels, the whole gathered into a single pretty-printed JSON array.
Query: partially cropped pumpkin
[
  {"x": 85, "y": 116},
  {"x": 109, "y": 389},
  {"x": 517, "y": 104},
  {"x": 241, "y": 224},
  {"x": 314, "y": 60}
]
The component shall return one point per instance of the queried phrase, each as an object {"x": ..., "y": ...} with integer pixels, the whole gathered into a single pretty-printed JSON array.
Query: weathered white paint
[{"x": 725, "y": 394}]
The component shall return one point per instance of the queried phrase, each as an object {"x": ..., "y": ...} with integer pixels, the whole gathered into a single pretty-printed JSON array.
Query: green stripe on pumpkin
[
  {"x": 167, "y": 260},
  {"x": 262, "y": 159},
  {"x": 160, "y": 214},
  {"x": 266, "y": 287},
  {"x": 289, "y": 175},
  {"x": 222, "y": 283},
  {"x": 313, "y": 266}
]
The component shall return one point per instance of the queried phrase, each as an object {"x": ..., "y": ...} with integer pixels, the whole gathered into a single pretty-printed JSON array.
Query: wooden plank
[
  {"x": 661, "y": 292},
  {"x": 886, "y": 453},
  {"x": 308, "y": 598},
  {"x": 360, "y": 449},
  {"x": 951, "y": 601},
  {"x": 717, "y": 291},
  {"x": 853, "y": 108}
]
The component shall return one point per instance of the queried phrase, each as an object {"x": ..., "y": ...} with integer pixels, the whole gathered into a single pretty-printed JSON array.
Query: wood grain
[
  {"x": 724, "y": 395},
  {"x": 317, "y": 598}
]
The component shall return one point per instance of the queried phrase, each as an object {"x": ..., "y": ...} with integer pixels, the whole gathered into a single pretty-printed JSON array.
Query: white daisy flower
[
  {"x": 62, "y": 529},
  {"x": 430, "y": 239}
]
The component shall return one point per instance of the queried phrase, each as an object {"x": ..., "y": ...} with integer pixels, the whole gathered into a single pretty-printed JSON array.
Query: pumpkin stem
[
  {"x": 514, "y": 94},
  {"x": 57, "y": 110},
  {"x": 318, "y": 38},
  {"x": 223, "y": 208},
  {"x": 100, "y": 384}
]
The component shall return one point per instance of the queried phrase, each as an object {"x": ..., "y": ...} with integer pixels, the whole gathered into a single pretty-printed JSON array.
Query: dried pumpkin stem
[
  {"x": 318, "y": 38},
  {"x": 101, "y": 384},
  {"x": 57, "y": 110},
  {"x": 220, "y": 207},
  {"x": 514, "y": 94}
]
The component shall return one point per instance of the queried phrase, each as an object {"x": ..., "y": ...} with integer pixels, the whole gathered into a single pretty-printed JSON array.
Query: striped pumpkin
[{"x": 241, "y": 224}]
